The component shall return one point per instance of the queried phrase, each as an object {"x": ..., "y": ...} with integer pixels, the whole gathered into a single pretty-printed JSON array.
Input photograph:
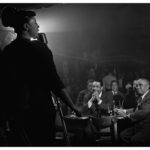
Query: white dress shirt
[
  {"x": 144, "y": 94},
  {"x": 140, "y": 102},
  {"x": 114, "y": 92}
]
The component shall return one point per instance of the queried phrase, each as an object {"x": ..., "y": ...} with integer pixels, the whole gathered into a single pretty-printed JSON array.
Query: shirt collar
[
  {"x": 114, "y": 92},
  {"x": 100, "y": 94}
]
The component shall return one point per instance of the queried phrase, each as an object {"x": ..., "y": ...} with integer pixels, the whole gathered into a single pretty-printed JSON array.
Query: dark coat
[
  {"x": 130, "y": 100},
  {"x": 141, "y": 117},
  {"x": 29, "y": 77},
  {"x": 82, "y": 97},
  {"x": 139, "y": 133},
  {"x": 95, "y": 110}
]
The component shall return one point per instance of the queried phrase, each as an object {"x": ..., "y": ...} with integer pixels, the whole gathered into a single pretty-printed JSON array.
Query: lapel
[
  {"x": 87, "y": 97},
  {"x": 103, "y": 97},
  {"x": 146, "y": 96},
  {"x": 141, "y": 102},
  {"x": 109, "y": 97}
]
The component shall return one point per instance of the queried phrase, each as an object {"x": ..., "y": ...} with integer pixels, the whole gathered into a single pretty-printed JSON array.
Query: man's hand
[
  {"x": 96, "y": 96},
  {"x": 94, "y": 99},
  {"x": 67, "y": 99},
  {"x": 90, "y": 102},
  {"x": 121, "y": 112}
]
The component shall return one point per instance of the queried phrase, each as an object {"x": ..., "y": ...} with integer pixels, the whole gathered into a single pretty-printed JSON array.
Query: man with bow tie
[{"x": 139, "y": 133}]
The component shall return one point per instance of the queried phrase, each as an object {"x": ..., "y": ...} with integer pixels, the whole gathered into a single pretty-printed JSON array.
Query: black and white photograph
[{"x": 74, "y": 74}]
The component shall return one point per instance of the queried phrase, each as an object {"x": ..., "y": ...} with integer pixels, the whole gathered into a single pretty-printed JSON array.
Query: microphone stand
[{"x": 62, "y": 120}]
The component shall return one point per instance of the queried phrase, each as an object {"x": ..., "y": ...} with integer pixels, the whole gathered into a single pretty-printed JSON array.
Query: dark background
[
  {"x": 85, "y": 36},
  {"x": 105, "y": 30}
]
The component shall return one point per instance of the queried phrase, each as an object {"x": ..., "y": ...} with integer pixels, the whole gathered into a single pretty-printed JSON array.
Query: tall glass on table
[{"x": 118, "y": 107}]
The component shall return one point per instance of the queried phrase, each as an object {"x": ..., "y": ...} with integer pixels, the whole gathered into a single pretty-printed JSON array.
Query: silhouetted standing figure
[{"x": 30, "y": 76}]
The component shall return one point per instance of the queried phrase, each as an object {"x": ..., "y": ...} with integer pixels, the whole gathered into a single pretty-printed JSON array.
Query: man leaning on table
[{"x": 139, "y": 133}]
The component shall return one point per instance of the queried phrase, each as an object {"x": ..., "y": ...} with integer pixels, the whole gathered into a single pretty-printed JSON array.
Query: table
[
  {"x": 82, "y": 125},
  {"x": 80, "y": 130}
]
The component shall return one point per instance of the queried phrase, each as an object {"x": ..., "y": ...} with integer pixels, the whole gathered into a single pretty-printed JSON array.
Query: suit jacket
[
  {"x": 95, "y": 110},
  {"x": 130, "y": 100},
  {"x": 141, "y": 116},
  {"x": 83, "y": 97}
]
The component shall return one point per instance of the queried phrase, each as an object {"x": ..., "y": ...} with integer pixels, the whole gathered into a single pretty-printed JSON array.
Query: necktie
[{"x": 139, "y": 103}]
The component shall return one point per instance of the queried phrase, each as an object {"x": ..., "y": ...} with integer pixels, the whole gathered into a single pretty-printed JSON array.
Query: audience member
[
  {"x": 114, "y": 97},
  {"x": 138, "y": 134},
  {"x": 95, "y": 105},
  {"x": 84, "y": 95}
]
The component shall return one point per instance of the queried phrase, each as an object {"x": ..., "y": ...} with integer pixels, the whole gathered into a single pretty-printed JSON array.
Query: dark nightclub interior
[{"x": 92, "y": 43}]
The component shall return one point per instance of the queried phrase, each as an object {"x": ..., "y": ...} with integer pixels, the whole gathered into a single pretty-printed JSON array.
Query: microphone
[{"x": 42, "y": 37}]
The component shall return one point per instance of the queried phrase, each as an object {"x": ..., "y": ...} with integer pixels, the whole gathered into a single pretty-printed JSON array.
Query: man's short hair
[
  {"x": 113, "y": 81},
  {"x": 89, "y": 81},
  {"x": 100, "y": 81}
]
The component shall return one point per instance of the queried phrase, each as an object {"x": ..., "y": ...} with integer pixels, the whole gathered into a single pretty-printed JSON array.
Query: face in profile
[
  {"x": 97, "y": 87},
  {"x": 142, "y": 86},
  {"x": 33, "y": 28}
]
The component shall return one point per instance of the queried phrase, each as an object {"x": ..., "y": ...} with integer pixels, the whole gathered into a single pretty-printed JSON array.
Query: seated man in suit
[
  {"x": 114, "y": 97},
  {"x": 96, "y": 107},
  {"x": 139, "y": 133},
  {"x": 95, "y": 104}
]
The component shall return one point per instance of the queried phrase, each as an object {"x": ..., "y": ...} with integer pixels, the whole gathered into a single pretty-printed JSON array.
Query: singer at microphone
[{"x": 29, "y": 78}]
